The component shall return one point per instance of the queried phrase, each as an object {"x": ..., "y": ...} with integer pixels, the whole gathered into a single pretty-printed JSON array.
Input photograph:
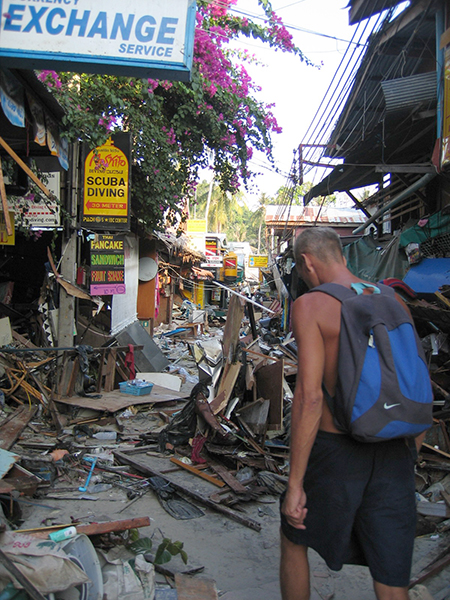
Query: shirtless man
[{"x": 352, "y": 502}]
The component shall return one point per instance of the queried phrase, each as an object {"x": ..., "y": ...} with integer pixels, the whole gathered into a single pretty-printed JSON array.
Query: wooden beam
[
  {"x": 226, "y": 387},
  {"x": 412, "y": 168},
  {"x": 358, "y": 203},
  {"x": 445, "y": 39},
  {"x": 433, "y": 509},
  {"x": 13, "y": 426},
  {"x": 146, "y": 470},
  {"x": 424, "y": 445},
  {"x": 27, "y": 169},
  {"x": 9, "y": 229},
  {"x": 195, "y": 471},
  {"x": 432, "y": 569},
  {"x": 91, "y": 528},
  {"x": 402, "y": 21}
]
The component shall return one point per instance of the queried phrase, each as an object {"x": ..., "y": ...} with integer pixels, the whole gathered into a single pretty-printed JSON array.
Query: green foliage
[
  {"x": 164, "y": 553},
  {"x": 167, "y": 549},
  {"x": 295, "y": 195},
  {"x": 175, "y": 126}
]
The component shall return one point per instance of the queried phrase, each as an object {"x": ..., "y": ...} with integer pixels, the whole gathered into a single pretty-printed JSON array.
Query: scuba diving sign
[{"x": 106, "y": 189}]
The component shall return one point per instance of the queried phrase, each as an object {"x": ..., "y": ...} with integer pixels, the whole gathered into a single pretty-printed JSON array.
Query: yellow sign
[
  {"x": 230, "y": 265},
  {"x": 5, "y": 239},
  {"x": 261, "y": 262},
  {"x": 106, "y": 186},
  {"x": 196, "y": 226}
]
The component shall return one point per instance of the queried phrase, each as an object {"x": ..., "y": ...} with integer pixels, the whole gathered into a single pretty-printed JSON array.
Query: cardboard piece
[
  {"x": 5, "y": 332},
  {"x": 170, "y": 382},
  {"x": 195, "y": 588},
  {"x": 115, "y": 400}
]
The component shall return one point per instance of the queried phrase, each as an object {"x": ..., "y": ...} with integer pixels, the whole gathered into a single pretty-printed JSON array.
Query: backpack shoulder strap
[{"x": 340, "y": 292}]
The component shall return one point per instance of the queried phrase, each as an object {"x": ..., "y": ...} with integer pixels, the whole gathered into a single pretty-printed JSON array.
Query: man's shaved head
[{"x": 321, "y": 242}]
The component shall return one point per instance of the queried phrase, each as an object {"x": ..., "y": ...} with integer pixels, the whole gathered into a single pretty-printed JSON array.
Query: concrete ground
[{"x": 243, "y": 562}]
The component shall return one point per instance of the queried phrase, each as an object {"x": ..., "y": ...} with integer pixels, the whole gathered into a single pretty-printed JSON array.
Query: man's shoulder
[{"x": 314, "y": 300}]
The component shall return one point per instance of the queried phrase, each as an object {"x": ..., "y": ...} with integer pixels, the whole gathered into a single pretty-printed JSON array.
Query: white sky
[{"x": 295, "y": 88}]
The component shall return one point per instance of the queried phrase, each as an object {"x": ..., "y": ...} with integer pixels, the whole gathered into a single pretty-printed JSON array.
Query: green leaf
[{"x": 141, "y": 546}]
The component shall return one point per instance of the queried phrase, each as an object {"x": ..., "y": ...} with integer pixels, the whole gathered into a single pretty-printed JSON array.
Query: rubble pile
[{"x": 209, "y": 433}]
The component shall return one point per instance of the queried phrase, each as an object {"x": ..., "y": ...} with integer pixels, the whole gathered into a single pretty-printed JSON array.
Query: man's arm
[{"x": 307, "y": 403}]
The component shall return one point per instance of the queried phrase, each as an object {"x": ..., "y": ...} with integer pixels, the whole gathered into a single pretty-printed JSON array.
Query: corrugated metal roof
[
  {"x": 410, "y": 91},
  {"x": 296, "y": 215},
  {"x": 374, "y": 127}
]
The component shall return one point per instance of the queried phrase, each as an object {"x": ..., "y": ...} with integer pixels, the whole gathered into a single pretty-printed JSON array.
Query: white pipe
[
  {"x": 401, "y": 196},
  {"x": 244, "y": 297}
]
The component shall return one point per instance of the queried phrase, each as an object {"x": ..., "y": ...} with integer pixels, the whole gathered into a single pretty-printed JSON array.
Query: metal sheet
[
  {"x": 429, "y": 275},
  {"x": 7, "y": 460}
]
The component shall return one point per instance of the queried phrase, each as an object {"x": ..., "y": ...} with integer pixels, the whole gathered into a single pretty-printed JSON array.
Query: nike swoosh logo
[{"x": 388, "y": 406}]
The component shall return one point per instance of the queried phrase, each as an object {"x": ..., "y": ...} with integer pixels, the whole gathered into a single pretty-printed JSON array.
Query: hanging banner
[
  {"x": 107, "y": 265},
  {"x": 116, "y": 37},
  {"x": 106, "y": 186},
  {"x": 11, "y": 99}
]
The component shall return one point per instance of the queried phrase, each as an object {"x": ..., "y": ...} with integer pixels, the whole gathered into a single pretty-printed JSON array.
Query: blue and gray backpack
[{"x": 383, "y": 388}]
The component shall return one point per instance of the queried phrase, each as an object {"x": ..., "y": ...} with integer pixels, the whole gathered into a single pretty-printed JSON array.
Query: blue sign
[{"x": 151, "y": 39}]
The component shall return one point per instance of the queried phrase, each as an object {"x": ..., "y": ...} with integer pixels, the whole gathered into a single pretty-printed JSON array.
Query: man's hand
[{"x": 294, "y": 507}]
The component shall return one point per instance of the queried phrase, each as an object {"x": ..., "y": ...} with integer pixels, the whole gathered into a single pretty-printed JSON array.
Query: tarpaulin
[
  {"x": 370, "y": 261},
  {"x": 426, "y": 229}
]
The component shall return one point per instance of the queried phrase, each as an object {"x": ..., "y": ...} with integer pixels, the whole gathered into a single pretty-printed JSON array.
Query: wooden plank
[
  {"x": 195, "y": 471},
  {"x": 230, "y": 339},
  {"x": 91, "y": 528},
  {"x": 195, "y": 588},
  {"x": 255, "y": 415},
  {"x": 27, "y": 169},
  {"x": 23, "y": 340},
  {"x": 101, "y": 368},
  {"x": 226, "y": 386},
  {"x": 13, "y": 426},
  {"x": 424, "y": 445},
  {"x": 265, "y": 356},
  {"x": 269, "y": 380},
  {"x": 73, "y": 377},
  {"x": 446, "y": 498},
  {"x": 229, "y": 479},
  {"x": 433, "y": 509},
  {"x": 110, "y": 370},
  {"x": 445, "y": 39},
  {"x": 9, "y": 229},
  {"x": 115, "y": 400},
  {"x": 432, "y": 569},
  {"x": 146, "y": 470}
]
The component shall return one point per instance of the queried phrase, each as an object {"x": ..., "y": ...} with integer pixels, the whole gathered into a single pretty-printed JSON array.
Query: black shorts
[{"x": 361, "y": 506}]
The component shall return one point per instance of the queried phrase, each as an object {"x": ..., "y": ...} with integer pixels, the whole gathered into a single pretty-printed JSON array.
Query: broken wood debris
[{"x": 229, "y": 431}]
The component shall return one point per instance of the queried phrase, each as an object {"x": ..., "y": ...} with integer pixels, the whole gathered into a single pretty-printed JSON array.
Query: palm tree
[
  {"x": 220, "y": 208},
  {"x": 258, "y": 217}
]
